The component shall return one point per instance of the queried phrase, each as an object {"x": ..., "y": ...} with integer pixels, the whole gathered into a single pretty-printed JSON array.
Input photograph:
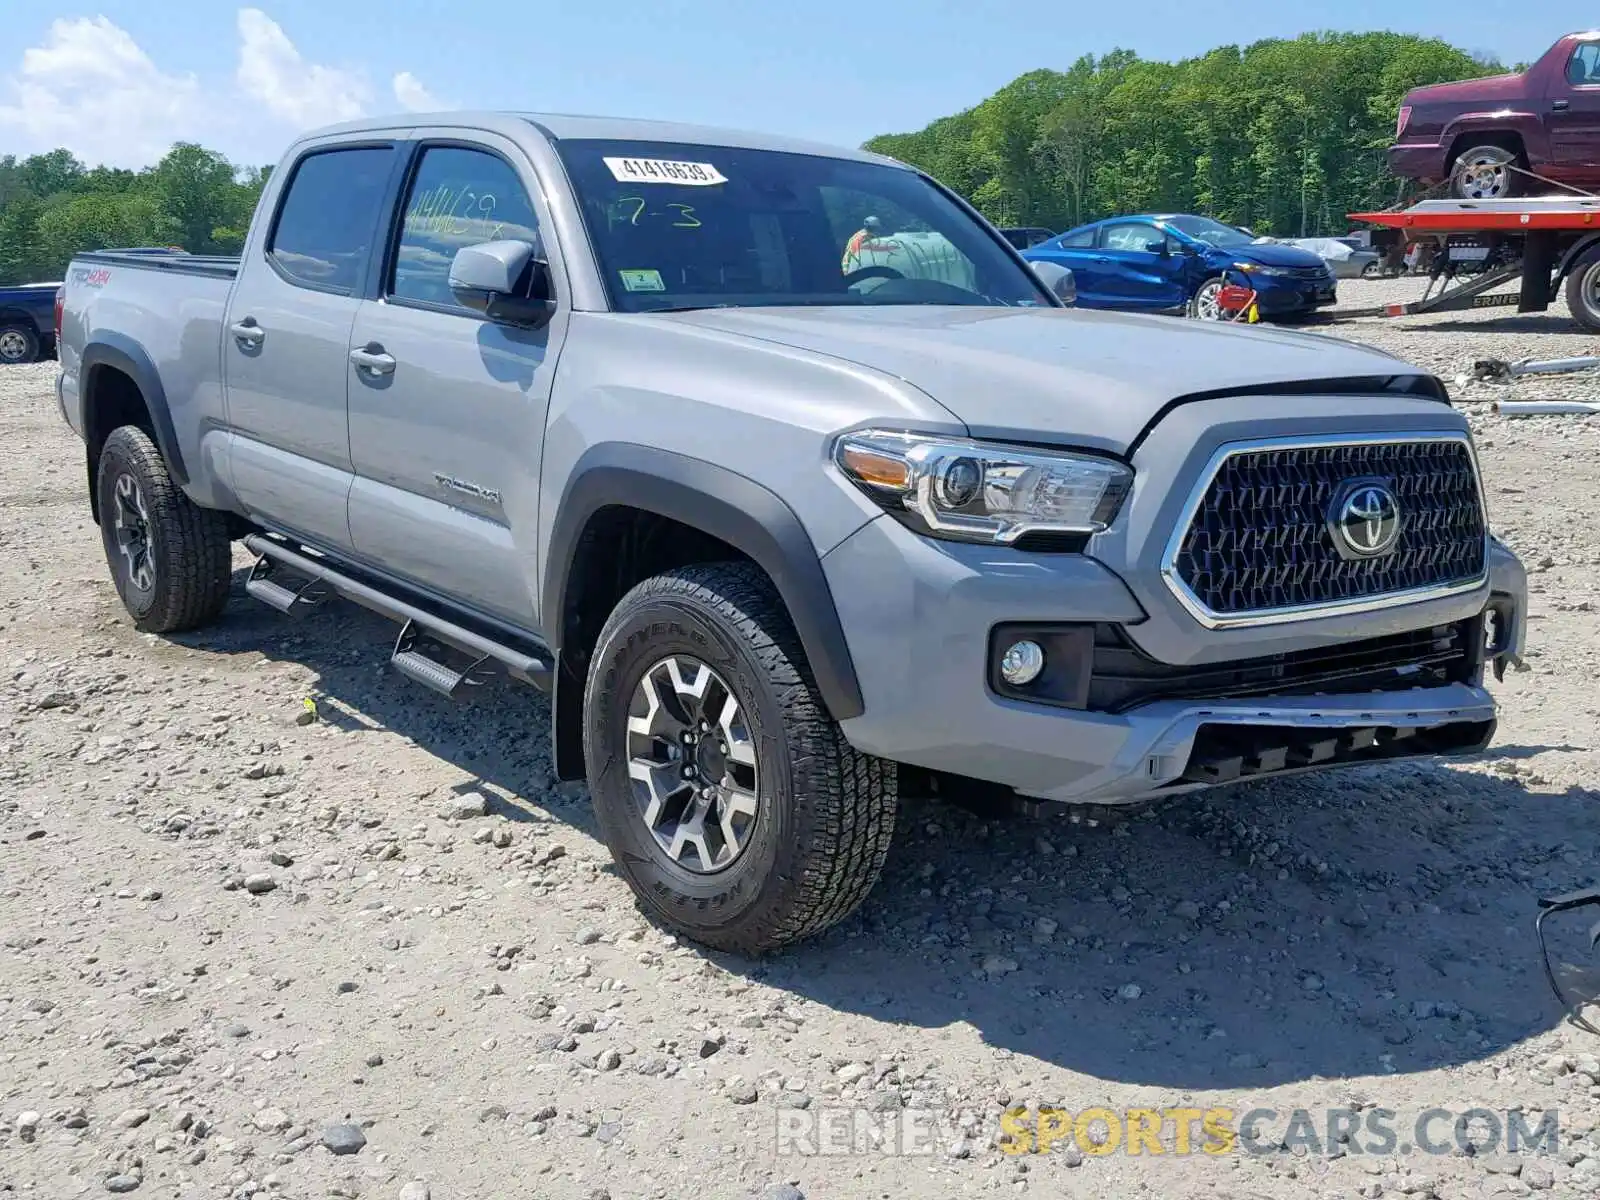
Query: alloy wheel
[
  {"x": 131, "y": 527},
  {"x": 1206, "y": 307},
  {"x": 692, "y": 763},
  {"x": 1484, "y": 178}
]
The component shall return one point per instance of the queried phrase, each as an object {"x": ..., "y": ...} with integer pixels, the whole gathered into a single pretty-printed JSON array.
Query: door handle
[
  {"x": 247, "y": 332},
  {"x": 372, "y": 359},
  {"x": 1101, "y": 258},
  {"x": 1561, "y": 105}
]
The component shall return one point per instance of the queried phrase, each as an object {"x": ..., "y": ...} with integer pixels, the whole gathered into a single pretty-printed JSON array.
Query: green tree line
[
  {"x": 1286, "y": 136},
  {"x": 52, "y": 206}
]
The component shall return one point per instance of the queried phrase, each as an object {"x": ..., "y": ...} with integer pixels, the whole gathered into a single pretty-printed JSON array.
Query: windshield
[
  {"x": 679, "y": 226},
  {"x": 1213, "y": 233}
]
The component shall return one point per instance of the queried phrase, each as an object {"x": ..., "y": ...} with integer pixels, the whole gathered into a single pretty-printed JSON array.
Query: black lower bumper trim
[{"x": 1224, "y": 753}]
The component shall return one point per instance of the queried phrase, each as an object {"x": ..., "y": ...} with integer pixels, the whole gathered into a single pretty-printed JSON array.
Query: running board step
[
  {"x": 263, "y": 587},
  {"x": 412, "y": 661},
  {"x": 418, "y": 624}
]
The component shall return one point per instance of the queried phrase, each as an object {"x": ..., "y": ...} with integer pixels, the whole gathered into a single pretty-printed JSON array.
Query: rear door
[
  {"x": 1574, "y": 117},
  {"x": 447, "y": 436},
  {"x": 286, "y": 340},
  {"x": 1143, "y": 269}
]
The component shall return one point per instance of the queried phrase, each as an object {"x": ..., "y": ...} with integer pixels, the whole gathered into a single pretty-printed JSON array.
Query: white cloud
[
  {"x": 305, "y": 94},
  {"x": 414, "y": 96},
  {"x": 91, "y": 88}
]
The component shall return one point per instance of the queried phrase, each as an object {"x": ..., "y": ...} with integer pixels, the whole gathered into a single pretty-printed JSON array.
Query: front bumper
[
  {"x": 1293, "y": 295},
  {"x": 918, "y": 616}
]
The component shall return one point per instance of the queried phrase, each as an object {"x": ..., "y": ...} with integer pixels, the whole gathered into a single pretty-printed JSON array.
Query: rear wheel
[
  {"x": 731, "y": 801},
  {"x": 18, "y": 344},
  {"x": 169, "y": 558},
  {"x": 1486, "y": 172},
  {"x": 1583, "y": 290}
]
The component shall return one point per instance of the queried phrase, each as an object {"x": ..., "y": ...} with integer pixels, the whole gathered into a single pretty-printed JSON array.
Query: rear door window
[
  {"x": 1583, "y": 68},
  {"x": 328, "y": 218}
]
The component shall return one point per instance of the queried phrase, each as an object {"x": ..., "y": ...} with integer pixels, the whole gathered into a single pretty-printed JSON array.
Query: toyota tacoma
[{"x": 783, "y": 531}]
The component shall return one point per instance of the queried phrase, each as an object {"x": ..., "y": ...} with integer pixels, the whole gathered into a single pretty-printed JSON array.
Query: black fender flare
[
  {"x": 1570, "y": 257},
  {"x": 121, "y": 352},
  {"x": 724, "y": 504}
]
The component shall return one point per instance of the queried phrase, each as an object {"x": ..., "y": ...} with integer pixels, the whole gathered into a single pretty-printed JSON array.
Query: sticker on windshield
[
  {"x": 662, "y": 170},
  {"x": 642, "y": 281}
]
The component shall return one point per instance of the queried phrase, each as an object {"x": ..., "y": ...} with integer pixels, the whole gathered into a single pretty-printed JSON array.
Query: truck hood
[
  {"x": 1474, "y": 92},
  {"x": 1071, "y": 377}
]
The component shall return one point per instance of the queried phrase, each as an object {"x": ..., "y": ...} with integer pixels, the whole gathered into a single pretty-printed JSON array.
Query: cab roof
[{"x": 565, "y": 126}]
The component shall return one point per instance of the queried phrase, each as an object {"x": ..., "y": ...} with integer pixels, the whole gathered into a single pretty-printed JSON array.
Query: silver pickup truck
[{"x": 777, "y": 467}]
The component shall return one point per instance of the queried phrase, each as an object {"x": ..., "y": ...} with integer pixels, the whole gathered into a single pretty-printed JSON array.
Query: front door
[
  {"x": 286, "y": 342},
  {"x": 1142, "y": 269},
  {"x": 1574, "y": 117},
  {"x": 447, "y": 430},
  {"x": 1076, "y": 251}
]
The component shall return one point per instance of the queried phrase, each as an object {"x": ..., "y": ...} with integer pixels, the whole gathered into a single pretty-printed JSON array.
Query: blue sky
[{"x": 118, "y": 80}]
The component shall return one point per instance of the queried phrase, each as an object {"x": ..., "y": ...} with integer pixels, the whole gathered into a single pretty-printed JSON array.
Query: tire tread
[
  {"x": 849, "y": 797},
  {"x": 194, "y": 573}
]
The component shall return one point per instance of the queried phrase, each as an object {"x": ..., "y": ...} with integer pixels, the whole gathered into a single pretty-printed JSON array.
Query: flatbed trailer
[{"x": 1482, "y": 245}]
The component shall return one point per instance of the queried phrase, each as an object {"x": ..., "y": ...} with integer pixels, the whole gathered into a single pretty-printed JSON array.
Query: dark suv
[{"x": 1485, "y": 135}]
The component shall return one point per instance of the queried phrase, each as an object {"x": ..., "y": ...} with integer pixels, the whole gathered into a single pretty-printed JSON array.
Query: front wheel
[
  {"x": 1206, "y": 304},
  {"x": 169, "y": 558},
  {"x": 730, "y": 800},
  {"x": 1583, "y": 290},
  {"x": 1486, "y": 172}
]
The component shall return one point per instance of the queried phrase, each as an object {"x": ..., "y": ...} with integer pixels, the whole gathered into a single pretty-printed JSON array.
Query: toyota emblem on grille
[{"x": 1365, "y": 519}]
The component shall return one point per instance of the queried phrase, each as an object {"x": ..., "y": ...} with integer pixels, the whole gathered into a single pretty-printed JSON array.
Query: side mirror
[
  {"x": 1158, "y": 246},
  {"x": 506, "y": 281},
  {"x": 1058, "y": 279}
]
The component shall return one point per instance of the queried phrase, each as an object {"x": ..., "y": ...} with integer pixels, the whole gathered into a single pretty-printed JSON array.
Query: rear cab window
[{"x": 327, "y": 221}]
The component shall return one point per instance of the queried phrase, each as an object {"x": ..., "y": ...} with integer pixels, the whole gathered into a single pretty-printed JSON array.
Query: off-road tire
[
  {"x": 18, "y": 344},
  {"x": 825, "y": 812},
  {"x": 1583, "y": 290},
  {"x": 1516, "y": 183},
  {"x": 189, "y": 548}
]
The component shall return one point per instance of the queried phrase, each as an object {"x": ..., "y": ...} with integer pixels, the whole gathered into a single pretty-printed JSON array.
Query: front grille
[
  {"x": 1259, "y": 540},
  {"x": 1308, "y": 272},
  {"x": 1124, "y": 677}
]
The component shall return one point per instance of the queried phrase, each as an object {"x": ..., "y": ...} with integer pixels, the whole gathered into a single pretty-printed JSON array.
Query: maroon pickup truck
[{"x": 1477, "y": 132}]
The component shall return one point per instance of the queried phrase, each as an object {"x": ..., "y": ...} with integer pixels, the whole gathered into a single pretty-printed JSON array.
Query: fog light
[{"x": 1022, "y": 663}]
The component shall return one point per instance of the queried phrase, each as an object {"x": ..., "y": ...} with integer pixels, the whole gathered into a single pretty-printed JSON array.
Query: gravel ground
[{"x": 379, "y": 954}]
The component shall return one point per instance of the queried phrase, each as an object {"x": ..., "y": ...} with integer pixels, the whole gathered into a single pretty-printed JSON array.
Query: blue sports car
[{"x": 1177, "y": 262}]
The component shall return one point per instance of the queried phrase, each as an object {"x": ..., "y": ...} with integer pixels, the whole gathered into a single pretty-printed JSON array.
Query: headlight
[
  {"x": 1258, "y": 269},
  {"x": 975, "y": 491}
]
